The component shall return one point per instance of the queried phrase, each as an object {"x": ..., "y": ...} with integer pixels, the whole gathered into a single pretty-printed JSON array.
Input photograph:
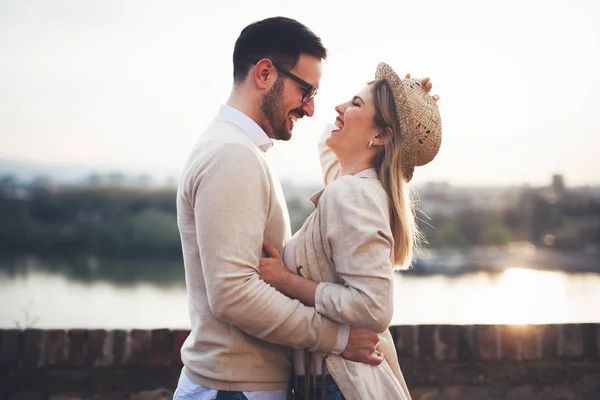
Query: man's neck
[{"x": 242, "y": 102}]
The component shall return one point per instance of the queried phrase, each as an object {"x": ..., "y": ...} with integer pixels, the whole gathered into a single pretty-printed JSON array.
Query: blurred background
[{"x": 100, "y": 103}]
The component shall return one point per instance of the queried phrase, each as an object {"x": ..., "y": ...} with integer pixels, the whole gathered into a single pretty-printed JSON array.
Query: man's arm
[{"x": 231, "y": 202}]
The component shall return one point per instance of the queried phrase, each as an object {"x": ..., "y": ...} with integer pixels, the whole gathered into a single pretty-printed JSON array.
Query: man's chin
[{"x": 284, "y": 135}]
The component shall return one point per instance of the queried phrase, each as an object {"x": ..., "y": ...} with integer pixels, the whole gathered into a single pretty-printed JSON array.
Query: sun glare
[{"x": 520, "y": 291}]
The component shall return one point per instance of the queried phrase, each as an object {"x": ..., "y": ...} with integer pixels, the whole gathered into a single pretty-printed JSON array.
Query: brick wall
[{"x": 439, "y": 362}]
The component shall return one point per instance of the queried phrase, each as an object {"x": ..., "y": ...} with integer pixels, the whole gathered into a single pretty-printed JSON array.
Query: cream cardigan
[{"x": 348, "y": 241}]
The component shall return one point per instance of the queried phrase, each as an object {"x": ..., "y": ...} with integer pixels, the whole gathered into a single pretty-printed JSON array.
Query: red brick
[
  {"x": 56, "y": 347},
  {"x": 530, "y": 342},
  {"x": 97, "y": 354},
  {"x": 9, "y": 348},
  {"x": 425, "y": 334},
  {"x": 487, "y": 339},
  {"x": 406, "y": 341},
  {"x": 466, "y": 346},
  {"x": 33, "y": 348},
  {"x": 120, "y": 346},
  {"x": 425, "y": 394},
  {"x": 161, "y": 343},
  {"x": 179, "y": 337},
  {"x": 27, "y": 396},
  {"x": 139, "y": 348},
  {"x": 598, "y": 340},
  {"x": 69, "y": 396},
  {"x": 511, "y": 342},
  {"x": 77, "y": 347},
  {"x": 572, "y": 341},
  {"x": 111, "y": 396},
  {"x": 590, "y": 344},
  {"x": 446, "y": 342},
  {"x": 549, "y": 341}
]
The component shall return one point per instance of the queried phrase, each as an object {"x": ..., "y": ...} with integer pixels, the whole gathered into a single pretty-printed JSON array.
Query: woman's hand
[
  {"x": 272, "y": 269},
  {"x": 428, "y": 85}
]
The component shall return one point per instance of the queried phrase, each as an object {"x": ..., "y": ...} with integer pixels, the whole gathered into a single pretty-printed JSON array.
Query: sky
[{"x": 132, "y": 84}]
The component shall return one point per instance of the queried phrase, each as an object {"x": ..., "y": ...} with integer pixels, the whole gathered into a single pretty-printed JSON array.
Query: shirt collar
[{"x": 250, "y": 128}]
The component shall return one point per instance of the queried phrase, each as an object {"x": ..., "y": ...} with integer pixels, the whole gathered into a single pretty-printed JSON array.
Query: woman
[{"x": 342, "y": 259}]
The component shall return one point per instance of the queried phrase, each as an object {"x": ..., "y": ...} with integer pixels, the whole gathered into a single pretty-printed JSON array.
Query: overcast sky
[{"x": 132, "y": 84}]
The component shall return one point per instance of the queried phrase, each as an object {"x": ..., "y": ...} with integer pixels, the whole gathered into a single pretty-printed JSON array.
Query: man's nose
[{"x": 309, "y": 108}]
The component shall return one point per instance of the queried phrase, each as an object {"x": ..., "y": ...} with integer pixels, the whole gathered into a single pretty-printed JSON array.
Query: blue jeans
[
  {"x": 332, "y": 390},
  {"x": 189, "y": 390}
]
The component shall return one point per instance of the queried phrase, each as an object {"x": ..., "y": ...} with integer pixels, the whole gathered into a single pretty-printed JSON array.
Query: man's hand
[{"x": 362, "y": 347}]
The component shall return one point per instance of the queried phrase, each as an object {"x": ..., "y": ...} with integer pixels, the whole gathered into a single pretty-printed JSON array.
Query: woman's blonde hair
[{"x": 389, "y": 166}]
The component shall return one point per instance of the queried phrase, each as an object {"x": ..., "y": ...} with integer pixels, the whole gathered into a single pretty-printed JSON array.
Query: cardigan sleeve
[
  {"x": 330, "y": 165},
  {"x": 231, "y": 204},
  {"x": 358, "y": 232}
]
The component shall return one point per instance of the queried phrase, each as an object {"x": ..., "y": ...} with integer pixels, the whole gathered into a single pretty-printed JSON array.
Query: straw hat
[{"x": 419, "y": 118}]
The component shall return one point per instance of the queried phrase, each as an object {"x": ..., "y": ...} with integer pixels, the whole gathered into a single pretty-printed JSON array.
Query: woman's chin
[
  {"x": 329, "y": 140},
  {"x": 335, "y": 132}
]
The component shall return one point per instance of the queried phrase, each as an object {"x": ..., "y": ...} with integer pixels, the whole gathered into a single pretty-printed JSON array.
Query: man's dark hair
[{"x": 280, "y": 39}]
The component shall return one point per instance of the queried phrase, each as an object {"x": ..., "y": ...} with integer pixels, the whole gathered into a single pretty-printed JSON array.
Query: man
[{"x": 228, "y": 202}]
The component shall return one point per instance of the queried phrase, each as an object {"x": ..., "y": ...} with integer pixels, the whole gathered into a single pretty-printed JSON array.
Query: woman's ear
[{"x": 384, "y": 137}]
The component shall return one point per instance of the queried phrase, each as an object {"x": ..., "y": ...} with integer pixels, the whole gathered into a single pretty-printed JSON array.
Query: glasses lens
[{"x": 309, "y": 95}]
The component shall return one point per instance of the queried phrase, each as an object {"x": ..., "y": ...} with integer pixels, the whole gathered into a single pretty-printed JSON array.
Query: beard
[{"x": 274, "y": 114}]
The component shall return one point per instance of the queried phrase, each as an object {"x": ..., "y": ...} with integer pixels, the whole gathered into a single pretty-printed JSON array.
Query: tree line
[{"x": 141, "y": 223}]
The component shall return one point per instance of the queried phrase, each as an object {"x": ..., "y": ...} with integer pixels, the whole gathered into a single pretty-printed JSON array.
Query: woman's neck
[{"x": 355, "y": 166}]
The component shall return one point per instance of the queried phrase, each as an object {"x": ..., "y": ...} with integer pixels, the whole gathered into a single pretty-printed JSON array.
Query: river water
[{"x": 50, "y": 298}]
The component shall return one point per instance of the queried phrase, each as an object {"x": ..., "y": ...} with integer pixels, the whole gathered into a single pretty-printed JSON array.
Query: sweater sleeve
[
  {"x": 359, "y": 235},
  {"x": 230, "y": 197}
]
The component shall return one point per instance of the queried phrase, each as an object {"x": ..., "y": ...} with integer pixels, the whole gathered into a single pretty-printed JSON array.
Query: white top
[{"x": 289, "y": 258}]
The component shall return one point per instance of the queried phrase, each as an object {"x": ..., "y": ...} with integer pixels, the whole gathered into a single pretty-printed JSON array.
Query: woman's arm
[
  {"x": 355, "y": 224},
  {"x": 361, "y": 244}
]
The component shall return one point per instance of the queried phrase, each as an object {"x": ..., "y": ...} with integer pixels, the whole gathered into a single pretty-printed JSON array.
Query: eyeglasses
[{"x": 309, "y": 90}]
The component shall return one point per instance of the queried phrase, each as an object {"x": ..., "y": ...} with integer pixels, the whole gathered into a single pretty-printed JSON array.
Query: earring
[{"x": 371, "y": 144}]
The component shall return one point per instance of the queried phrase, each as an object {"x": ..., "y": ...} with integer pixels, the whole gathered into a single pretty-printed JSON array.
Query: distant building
[
  {"x": 119, "y": 180},
  {"x": 42, "y": 182},
  {"x": 94, "y": 180},
  {"x": 11, "y": 188},
  {"x": 8, "y": 182},
  {"x": 142, "y": 181},
  {"x": 116, "y": 179},
  {"x": 558, "y": 186}
]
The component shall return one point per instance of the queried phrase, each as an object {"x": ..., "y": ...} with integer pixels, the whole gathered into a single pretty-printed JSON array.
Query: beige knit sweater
[{"x": 228, "y": 202}]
